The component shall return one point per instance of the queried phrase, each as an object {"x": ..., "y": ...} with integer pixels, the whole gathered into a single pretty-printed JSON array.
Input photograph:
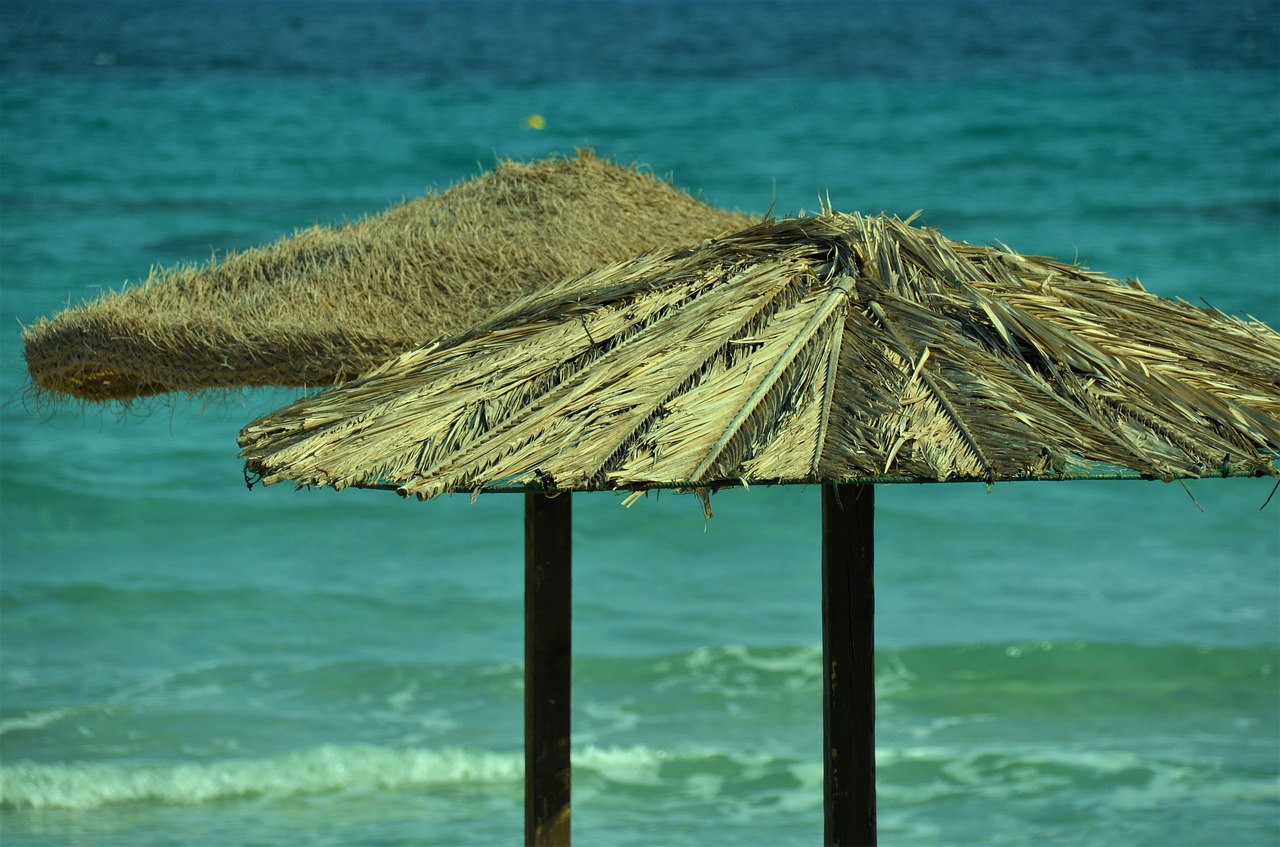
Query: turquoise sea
[{"x": 186, "y": 662}]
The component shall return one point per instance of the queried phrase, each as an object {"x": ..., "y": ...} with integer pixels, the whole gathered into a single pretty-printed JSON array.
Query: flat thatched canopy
[
  {"x": 325, "y": 304},
  {"x": 830, "y": 348}
]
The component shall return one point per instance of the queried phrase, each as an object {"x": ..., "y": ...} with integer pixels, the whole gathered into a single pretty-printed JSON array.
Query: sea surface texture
[{"x": 186, "y": 662}]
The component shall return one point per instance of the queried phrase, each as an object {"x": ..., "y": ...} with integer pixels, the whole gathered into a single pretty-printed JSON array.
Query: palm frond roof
[{"x": 829, "y": 348}]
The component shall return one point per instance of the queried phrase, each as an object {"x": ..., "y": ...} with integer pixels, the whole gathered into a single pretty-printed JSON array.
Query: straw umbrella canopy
[
  {"x": 833, "y": 349},
  {"x": 327, "y": 303}
]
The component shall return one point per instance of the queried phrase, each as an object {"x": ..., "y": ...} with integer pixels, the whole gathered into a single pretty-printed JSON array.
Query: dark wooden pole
[
  {"x": 849, "y": 693},
  {"x": 548, "y": 595}
]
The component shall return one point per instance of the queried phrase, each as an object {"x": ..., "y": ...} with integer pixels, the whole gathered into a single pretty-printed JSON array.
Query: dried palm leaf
[{"x": 829, "y": 348}]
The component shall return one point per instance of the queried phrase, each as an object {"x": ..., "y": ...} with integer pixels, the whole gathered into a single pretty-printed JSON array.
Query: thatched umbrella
[
  {"x": 836, "y": 349},
  {"x": 327, "y": 303}
]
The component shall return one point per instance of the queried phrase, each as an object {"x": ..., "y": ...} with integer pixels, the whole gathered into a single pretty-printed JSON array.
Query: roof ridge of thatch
[
  {"x": 327, "y": 302},
  {"x": 831, "y": 347}
]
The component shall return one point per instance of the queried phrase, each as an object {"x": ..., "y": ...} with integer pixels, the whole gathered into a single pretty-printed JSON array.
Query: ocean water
[{"x": 185, "y": 662}]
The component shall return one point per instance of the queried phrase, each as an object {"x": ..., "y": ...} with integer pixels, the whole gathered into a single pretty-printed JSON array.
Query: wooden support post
[
  {"x": 849, "y": 697},
  {"x": 548, "y": 595}
]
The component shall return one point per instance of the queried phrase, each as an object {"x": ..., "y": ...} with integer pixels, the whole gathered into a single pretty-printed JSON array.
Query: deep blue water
[{"x": 186, "y": 662}]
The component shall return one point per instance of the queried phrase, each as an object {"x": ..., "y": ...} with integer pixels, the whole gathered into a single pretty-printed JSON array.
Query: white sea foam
[
  {"x": 801, "y": 660},
  {"x": 360, "y": 768},
  {"x": 1113, "y": 779},
  {"x": 355, "y": 768},
  {"x": 737, "y": 671},
  {"x": 320, "y": 770},
  {"x": 34, "y": 720},
  {"x": 625, "y": 765}
]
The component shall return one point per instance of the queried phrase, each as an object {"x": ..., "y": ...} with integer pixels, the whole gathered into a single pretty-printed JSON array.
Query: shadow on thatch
[
  {"x": 832, "y": 348},
  {"x": 328, "y": 303}
]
